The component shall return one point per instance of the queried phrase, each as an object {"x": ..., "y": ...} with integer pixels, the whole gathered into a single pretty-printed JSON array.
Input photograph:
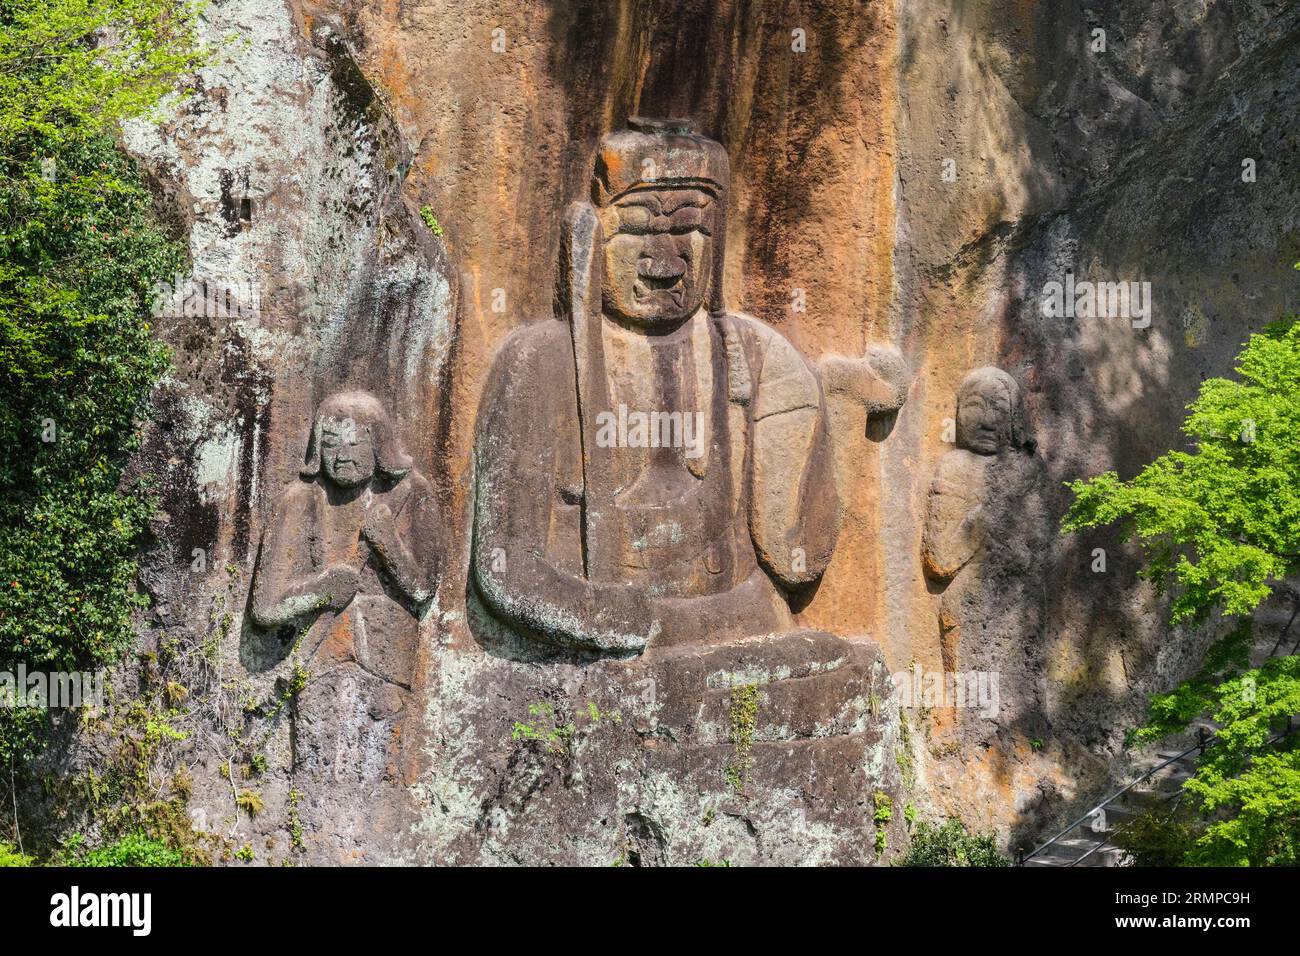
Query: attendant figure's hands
[
  {"x": 380, "y": 529},
  {"x": 972, "y": 532}
]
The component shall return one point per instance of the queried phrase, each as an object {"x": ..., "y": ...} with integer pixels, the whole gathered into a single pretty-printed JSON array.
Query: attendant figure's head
[
  {"x": 352, "y": 438},
  {"x": 661, "y": 195},
  {"x": 990, "y": 414}
]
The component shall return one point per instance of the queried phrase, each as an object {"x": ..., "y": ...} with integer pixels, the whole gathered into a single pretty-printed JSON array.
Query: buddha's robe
[{"x": 617, "y": 548}]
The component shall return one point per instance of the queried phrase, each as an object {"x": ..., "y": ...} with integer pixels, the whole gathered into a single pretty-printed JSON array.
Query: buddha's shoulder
[
  {"x": 537, "y": 342},
  {"x": 764, "y": 345},
  {"x": 757, "y": 331},
  {"x": 533, "y": 367},
  {"x": 745, "y": 324}
]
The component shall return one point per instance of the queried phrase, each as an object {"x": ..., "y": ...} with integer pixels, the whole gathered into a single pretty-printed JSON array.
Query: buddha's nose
[{"x": 661, "y": 260}]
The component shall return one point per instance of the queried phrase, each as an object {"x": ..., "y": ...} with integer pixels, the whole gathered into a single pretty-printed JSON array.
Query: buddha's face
[
  {"x": 347, "y": 452},
  {"x": 984, "y": 419},
  {"x": 658, "y": 256}
]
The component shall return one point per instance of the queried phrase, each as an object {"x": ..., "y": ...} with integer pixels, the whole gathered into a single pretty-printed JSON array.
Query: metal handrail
[
  {"x": 1202, "y": 743},
  {"x": 1106, "y": 841},
  {"x": 1174, "y": 797}
]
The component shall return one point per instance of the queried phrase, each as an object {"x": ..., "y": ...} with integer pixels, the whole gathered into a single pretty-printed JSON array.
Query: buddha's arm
[
  {"x": 794, "y": 511},
  {"x": 514, "y": 494},
  {"x": 284, "y": 587},
  {"x": 409, "y": 566},
  {"x": 878, "y": 381}
]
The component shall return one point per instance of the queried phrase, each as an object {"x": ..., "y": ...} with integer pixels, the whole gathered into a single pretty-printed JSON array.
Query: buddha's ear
[
  {"x": 578, "y": 285},
  {"x": 311, "y": 461},
  {"x": 717, "y": 304},
  {"x": 578, "y": 301}
]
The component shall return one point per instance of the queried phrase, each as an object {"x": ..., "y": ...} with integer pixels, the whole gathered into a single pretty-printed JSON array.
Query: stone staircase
[{"x": 1087, "y": 842}]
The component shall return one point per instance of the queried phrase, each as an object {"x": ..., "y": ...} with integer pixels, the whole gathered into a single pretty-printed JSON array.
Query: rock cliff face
[{"x": 387, "y": 185}]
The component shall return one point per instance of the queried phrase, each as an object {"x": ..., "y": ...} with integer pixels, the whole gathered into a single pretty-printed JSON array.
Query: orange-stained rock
[{"x": 409, "y": 177}]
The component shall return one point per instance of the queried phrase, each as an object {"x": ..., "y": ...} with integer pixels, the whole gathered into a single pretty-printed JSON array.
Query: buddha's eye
[
  {"x": 634, "y": 219},
  {"x": 691, "y": 219}
]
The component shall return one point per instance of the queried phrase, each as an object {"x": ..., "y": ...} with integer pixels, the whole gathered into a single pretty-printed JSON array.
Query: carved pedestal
[{"x": 768, "y": 750}]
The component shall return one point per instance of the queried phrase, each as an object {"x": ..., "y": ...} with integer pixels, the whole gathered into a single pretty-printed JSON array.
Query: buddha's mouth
[{"x": 651, "y": 287}]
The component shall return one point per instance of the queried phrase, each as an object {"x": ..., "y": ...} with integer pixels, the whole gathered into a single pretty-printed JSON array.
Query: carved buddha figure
[
  {"x": 693, "y": 522},
  {"x": 348, "y": 548}
]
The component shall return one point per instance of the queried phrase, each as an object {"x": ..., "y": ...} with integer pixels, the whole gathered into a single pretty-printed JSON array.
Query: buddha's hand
[
  {"x": 878, "y": 381},
  {"x": 379, "y": 528},
  {"x": 339, "y": 584},
  {"x": 622, "y": 618}
]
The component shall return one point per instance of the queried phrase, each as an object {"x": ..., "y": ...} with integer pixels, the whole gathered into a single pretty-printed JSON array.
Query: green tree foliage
[
  {"x": 1159, "y": 836},
  {"x": 71, "y": 68},
  {"x": 951, "y": 845},
  {"x": 80, "y": 252},
  {"x": 1221, "y": 523}
]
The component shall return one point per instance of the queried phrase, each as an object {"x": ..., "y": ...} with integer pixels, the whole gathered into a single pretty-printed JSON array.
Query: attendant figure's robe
[
  {"x": 308, "y": 533},
  {"x": 985, "y": 543},
  {"x": 348, "y": 721}
]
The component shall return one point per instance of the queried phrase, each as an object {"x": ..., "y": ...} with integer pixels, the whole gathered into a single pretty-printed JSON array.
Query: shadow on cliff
[{"x": 1113, "y": 396}]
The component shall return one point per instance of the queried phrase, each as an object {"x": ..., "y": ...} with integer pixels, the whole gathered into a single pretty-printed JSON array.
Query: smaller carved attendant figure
[
  {"x": 349, "y": 549},
  {"x": 985, "y": 538}
]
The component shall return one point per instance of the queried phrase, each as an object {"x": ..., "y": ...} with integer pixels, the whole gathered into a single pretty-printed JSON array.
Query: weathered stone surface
[
  {"x": 652, "y": 472},
  {"x": 344, "y": 574},
  {"x": 339, "y": 121},
  {"x": 351, "y": 293},
  {"x": 591, "y": 535},
  {"x": 768, "y": 750}
]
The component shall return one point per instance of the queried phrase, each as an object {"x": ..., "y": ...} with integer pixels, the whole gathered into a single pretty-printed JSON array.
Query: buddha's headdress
[
  {"x": 658, "y": 154},
  {"x": 666, "y": 154}
]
